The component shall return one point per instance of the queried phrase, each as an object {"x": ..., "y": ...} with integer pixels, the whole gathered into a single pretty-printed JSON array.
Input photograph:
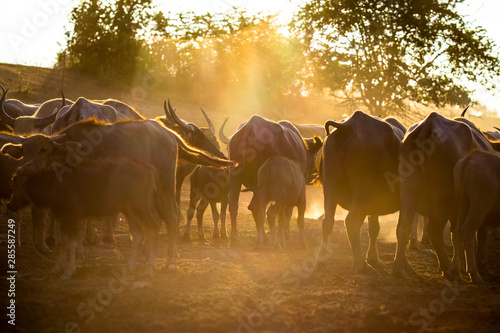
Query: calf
[
  {"x": 477, "y": 202},
  {"x": 94, "y": 188},
  {"x": 280, "y": 181},
  {"x": 208, "y": 186}
]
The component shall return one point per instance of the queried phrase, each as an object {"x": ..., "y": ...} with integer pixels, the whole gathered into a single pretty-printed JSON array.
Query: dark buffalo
[
  {"x": 84, "y": 109},
  {"x": 15, "y": 108},
  {"x": 208, "y": 186},
  {"x": 429, "y": 153},
  {"x": 202, "y": 138},
  {"x": 124, "y": 109},
  {"x": 281, "y": 181},
  {"x": 358, "y": 157},
  {"x": 253, "y": 143},
  {"x": 93, "y": 188},
  {"x": 43, "y": 117},
  {"x": 148, "y": 141},
  {"x": 477, "y": 201}
]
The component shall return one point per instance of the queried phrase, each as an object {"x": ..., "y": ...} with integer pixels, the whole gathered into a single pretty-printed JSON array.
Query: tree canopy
[
  {"x": 384, "y": 54},
  {"x": 376, "y": 55}
]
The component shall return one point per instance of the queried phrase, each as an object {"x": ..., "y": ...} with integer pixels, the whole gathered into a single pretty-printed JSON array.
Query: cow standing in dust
[
  {"x": 281, "y": 182},
  {"x": 357, "y": 157},
  {"x": 477, "y": 201},
  {"x": 94, "y": 188},
  {"x": 208, "y": 186},
  {"x": 429, "y": 153},
  {"x": 147, "y": 140},
  {"x": 252, "y": 144}
]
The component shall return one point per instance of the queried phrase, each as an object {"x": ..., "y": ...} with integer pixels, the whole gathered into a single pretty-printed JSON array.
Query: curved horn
[
  {"x": 177, "y": 120},
  {"x": 3, "y": 115},
  {"x": 464, "y": 111},
  {"x": 211, "y": 126},
  {"x": 222, "y": 137},
  {"x": 498, "y": 129},
  {"x": 169, "y": 117},
  {"x": 334, "y": 124}
]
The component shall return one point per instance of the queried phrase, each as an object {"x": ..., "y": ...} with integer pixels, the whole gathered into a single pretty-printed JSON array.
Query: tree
[
  {"x": 107, "y": 39},
  {"x": 384, "y": 54}
]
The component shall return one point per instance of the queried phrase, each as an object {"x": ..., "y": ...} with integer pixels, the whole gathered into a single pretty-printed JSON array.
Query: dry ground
[{"x": 218, "y": 288}]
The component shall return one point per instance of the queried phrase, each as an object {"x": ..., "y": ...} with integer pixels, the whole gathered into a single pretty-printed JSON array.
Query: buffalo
[
  {"x": 280, "y": 181},
  {"x": 477, "y": 205},
  {"x": 253, "y": 143},
  {"x": 429, "y": 153},
  {"x": 357, "y": 158},
  {"x": 93, "y": 188},
  {"x": 145, "y": 140},
  {"x": 208, "y": 186}
]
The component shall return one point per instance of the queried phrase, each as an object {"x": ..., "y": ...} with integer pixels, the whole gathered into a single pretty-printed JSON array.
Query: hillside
[{"x": 35, "y": 85}]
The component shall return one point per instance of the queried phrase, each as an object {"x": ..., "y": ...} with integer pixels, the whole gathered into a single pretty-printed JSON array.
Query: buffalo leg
[
  {"x": 193, "y": 201},
  {"x": 234, "y": 196},
  {"x": 436, "y": 234},
  {"x": 353, "y": 222},
  {"x": 38, "y": 216},
  {"x": 301, "y": 211},
  {"x": 215, "y": 217},
  {"x": 482, "y": 256},
  {"x": 200, "y": 211},
  {"x": 272, "y": 212},
  {"x": 327, "y": 226},
  {"x": 403, "y": 230},
  {"x": 372, "y": 256},
  {"x": 223, "y": 212},
  {"x": 109, "y": 229},
  {"x": 288, "y": 217},
  {"x": 137, "y": 239}
]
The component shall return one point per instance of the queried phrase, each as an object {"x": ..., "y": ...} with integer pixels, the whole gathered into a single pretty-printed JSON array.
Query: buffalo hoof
[
  {"x": 453, "y": 275},
  {"x": 401, "y": 271},
  {"x": 375, "y": 262},
  {"x": 319, "y": 266},
  {"x": 215, "y": 236},
  {"x": 50, "y": 241},
  {"x": 258, "y": 247},
  {"x": 201, "y": 238},
  {"x": 44, "y": 249},
  {"x": 170, "y": 267},
  {"x": 365, "y": 269},
  {"x": 66, "y": 276},
  {"x": 186, "y": 237},
  {"x": 109, "y": 240},
  {"x": 223, "y": 236},
  {"x": 149, "y": 272},
  {"x": 476, "y": 278},
  {"x": 414, "y": 246}
]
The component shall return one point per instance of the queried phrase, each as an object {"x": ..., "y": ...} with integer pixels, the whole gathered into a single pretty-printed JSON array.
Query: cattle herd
[{"x": 73, "y": 162}]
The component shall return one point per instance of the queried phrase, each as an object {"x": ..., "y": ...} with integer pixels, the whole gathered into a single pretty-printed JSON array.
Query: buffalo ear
[
  {"x": 318, "y": 143},
  {"x": 13, "y": 150}
]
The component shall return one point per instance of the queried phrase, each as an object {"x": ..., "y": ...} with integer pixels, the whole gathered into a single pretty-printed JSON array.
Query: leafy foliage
[
  {"x": 107, "y": 38},
  {"x": 384, "y": 54}
]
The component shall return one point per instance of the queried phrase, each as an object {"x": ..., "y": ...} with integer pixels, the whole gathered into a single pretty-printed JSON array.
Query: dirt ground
[{"x": 218, "y": 288}]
